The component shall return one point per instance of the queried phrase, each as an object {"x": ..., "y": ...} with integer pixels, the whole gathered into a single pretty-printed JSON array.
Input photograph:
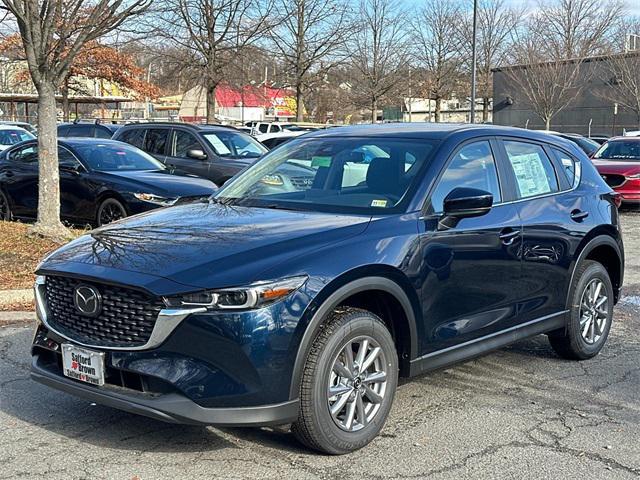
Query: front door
[
  {"x": 181, "y": 144},
  {"x": 471, "y": 273}
]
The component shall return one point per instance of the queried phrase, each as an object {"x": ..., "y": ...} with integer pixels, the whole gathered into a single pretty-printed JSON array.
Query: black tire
[
  {"x": 571, "y": 342},
  {"x": 109, "y": 211},
  {"x": 5, "y": 209},
  {"x": 316, "y": 427}
]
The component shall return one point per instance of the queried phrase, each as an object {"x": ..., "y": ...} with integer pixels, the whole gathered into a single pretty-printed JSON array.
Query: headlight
[
  {"x": 272, "y": 180},
  {"x": 252, "y": 296},
  {"x": 155, "y": 199}
]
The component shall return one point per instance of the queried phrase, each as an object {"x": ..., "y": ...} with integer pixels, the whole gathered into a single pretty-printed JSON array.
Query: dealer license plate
[{"x": 82, "y": 364}]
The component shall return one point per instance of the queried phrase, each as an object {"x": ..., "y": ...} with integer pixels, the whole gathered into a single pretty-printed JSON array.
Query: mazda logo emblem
[{"x": 87, "y": 300}]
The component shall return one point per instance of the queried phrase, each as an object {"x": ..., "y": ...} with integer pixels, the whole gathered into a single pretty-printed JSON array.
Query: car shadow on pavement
[{"x": 27, "y": 405}]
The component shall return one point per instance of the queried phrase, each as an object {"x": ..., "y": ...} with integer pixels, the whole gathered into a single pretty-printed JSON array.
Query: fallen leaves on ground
[{"x": 20, "y": 253}]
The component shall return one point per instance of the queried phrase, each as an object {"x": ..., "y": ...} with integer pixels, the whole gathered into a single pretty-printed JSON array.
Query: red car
[{"x": 618, "y": 162}]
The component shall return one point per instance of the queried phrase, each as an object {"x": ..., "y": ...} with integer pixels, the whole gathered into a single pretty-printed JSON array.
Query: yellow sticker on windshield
[{"x": 378, "y": 203}]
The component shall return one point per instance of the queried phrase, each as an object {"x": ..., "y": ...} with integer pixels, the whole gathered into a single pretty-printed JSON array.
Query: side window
[
  {"x": 102, "y": 132},
  {"x": 263, "y": 127},
  {"x": 533, "y": 170},
  {"x": 63, "y": 131},
  {"x": 156, "y": 140},
  {"x": 569, "y": 164},
  {"x": 183, "y": 142},
  {"x": 134, "y": 137},
  {"x": 25, "y": 155},
  {"x": 81, "y": 130},
  {"x": 473, "y": 166},
  {"x": 66, "y": 158}
]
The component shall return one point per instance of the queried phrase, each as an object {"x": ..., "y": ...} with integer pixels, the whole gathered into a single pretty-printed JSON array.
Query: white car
[
  {"x": 633, "y": 133},
  {"x": 272, "y": 140},
  {"x": 10, "y": 135}
]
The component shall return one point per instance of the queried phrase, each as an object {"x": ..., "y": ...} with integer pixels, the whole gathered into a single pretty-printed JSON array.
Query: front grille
[
  {"x": 613, "y": 180},
  {"x": 126, "y": 319}
]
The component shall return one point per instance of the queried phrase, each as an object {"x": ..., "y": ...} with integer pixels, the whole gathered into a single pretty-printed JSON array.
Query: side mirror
[
  {"x": 464, "y": 202},
  {"x": 197, "y": 154}
]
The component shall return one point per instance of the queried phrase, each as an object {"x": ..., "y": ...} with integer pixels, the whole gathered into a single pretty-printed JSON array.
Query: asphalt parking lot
[{"x": 520, "y": 412}]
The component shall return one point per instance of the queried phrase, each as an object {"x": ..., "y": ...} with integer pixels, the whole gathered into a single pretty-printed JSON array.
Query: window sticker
[
  {"x": 379, "y": 203},
  {"x": 320, "y": 162},
  {"x": 220, "y": 147},
  {"x": 530, "y": 174}
]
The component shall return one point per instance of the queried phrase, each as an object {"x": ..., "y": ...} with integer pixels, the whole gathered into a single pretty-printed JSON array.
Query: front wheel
[
  {"x": 348, "y": 383},
  {"x": 590, "y": 315},
  {"x": 109, "y": 211}
]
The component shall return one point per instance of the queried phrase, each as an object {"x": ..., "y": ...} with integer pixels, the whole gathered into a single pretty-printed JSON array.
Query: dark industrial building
[{"x": 511, "y": 106}]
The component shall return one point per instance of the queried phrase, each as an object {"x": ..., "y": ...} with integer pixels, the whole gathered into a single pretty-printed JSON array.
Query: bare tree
[
  {"x": 497, "y": 22},
  {"x": 214, "y": 32},
  {"x": 548, "y": 86},
  {"x": 309, "y": 40},
  {"x": 378, "y": 50},
  {"x": 438, "y": 48},
  {"x": 575, "y": 28},
  {"x": 53, "y": 32},
  {"x": 623, "y": 82}
]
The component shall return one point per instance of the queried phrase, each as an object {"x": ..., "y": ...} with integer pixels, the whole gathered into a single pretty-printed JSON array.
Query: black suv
[
  {"x": 86, "y": 129},
  {"x": 213, "y": 152}
]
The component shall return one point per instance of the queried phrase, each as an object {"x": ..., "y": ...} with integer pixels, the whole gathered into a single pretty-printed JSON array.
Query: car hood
[
  {"x": 165, "y": 182},
  {"x": 204, "y": 245},
  {"x": 617, "y": 167}
]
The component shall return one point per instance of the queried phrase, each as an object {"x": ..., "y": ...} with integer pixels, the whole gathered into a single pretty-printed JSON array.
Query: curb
[{"x": 7, "y": 318}]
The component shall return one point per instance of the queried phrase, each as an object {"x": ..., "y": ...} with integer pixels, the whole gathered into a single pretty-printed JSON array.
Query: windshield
[
  {"x": 628, "y": 150},
  {"x": 587, "y": 145},
  {"x": 234, "y": 144},
  {"x": 349, "y": 175},
  {"x": 11, "y": 137},
  {"x": 109, "y": 157}
]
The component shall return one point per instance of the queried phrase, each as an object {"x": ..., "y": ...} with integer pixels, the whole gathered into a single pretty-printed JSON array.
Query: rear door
[
  {"x": 156, "y": 143},
  {"x": 183, "y": 142},
  {"x": 20, "y": 179},
  {"x": 472, "y": 272},
  {"x": 554, "y": 218}
]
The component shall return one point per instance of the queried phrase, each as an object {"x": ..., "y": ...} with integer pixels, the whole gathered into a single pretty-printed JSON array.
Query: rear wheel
[
  {"x": 348, "y": 383},
  {"x": 109, "y": 211},
  {"x": 590, "y": 315},
  {"x": 5, "y": 210}
]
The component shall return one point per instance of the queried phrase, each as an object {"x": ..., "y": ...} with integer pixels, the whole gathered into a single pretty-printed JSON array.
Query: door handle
[
  {"x": 578, "y": 215},
  {"x": 8, "y": 173},
  {"x": 508, "y": 236}
]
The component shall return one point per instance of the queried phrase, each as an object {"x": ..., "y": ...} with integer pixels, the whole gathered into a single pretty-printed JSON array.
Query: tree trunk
[
  {"x": 485, "y": 109},
  {"x": 547, "y": 123},
  {"x": 374, "y": 110},
  {"x": 211, "y": 104},
  {"x": 299, "y": 104},
  {"x": 48, "y": 223},
  {"x": 436, "y": 115}
]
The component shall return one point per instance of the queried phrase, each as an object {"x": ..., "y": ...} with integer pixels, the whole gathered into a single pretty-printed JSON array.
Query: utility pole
[{"x": 474, "y": 61}]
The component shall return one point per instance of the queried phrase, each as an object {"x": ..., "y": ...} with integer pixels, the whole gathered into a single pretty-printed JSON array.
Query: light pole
[{"x": 474, "y": 60}]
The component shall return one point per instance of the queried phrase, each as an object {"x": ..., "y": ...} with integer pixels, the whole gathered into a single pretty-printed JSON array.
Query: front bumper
[
  {"x": 169, "y": 407},
  {"x": 218, "y": 368}
]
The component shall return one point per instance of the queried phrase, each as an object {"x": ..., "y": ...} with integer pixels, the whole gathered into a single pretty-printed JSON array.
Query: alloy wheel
[
  {"x": 594, "y": 311},
  {"x": 110, "y": 212},
  {"x": 357, "y": 384}
]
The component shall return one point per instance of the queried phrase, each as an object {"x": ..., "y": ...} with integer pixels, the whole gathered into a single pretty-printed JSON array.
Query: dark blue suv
[{"x": 335, "y": 264}]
